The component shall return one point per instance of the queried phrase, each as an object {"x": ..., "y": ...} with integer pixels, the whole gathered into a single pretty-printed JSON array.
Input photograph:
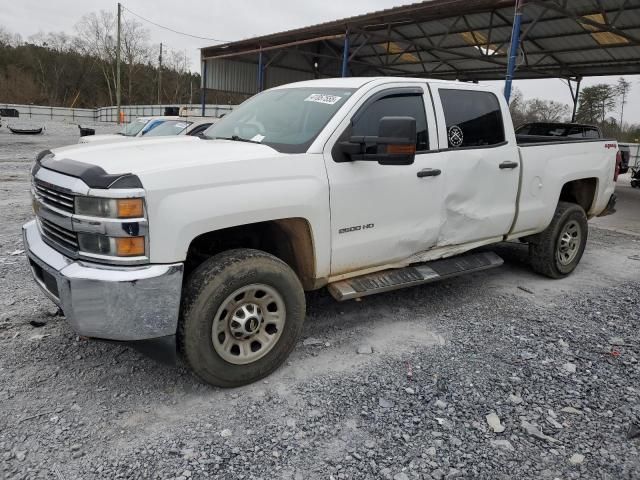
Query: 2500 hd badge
[{"x": 356, "y": 228}]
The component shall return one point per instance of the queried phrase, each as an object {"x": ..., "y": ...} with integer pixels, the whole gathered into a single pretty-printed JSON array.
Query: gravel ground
[{"x": 496, "y": 375}]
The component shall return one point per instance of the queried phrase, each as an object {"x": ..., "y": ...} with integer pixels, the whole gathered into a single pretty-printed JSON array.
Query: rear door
[
  {"x": 481, "y": 164},
  {"x": 384, "y": 213}
]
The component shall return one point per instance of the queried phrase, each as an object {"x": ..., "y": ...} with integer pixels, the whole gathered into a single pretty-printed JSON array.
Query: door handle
[
  {"x": 429, "y": 172},
  {"x": 508, "y": 164}
]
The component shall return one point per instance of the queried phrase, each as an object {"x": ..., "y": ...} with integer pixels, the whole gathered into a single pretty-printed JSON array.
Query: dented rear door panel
[{"x": 479, "y": 197}]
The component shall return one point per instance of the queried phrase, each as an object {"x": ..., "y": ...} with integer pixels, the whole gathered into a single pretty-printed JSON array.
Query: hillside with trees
[{"x": 79, "y": 70}]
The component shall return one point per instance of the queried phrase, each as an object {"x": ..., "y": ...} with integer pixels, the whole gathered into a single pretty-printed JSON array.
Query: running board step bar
[{"x": 418, "y": 274}]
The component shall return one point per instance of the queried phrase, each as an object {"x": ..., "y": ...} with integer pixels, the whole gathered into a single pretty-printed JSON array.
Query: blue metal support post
[
  {"x": 260, "y": 72},
  {"x": 345, "y": 55},
  {"x": 513, "y": 51},
  {"x": 203, "y": 92}
]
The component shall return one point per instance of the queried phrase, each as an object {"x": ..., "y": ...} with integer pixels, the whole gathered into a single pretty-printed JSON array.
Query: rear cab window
[
  {"x": 591, "y": 133},
  {"x": 473, "y": 118},
  {"x": 575, "y": 132}
]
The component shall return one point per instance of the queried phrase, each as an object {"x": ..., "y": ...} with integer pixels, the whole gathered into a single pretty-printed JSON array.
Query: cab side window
[
  {"x": 473, "y": 118},
  {"x": 401, "y": 105}
]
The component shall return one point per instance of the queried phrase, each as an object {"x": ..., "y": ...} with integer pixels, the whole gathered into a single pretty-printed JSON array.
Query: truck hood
[{"x": 141, "y": 156}]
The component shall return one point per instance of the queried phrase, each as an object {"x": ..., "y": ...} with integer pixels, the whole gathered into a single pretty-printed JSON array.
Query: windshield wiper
[{"x": 236, "y": 138}]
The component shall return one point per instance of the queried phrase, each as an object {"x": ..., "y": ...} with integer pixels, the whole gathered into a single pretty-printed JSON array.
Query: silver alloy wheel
[
  {"x": 248, "y": 324},
  {"x": 569, "y": 243}
]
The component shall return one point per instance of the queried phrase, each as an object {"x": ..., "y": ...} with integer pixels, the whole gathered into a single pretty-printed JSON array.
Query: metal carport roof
[{"x": 451, "y": 39}]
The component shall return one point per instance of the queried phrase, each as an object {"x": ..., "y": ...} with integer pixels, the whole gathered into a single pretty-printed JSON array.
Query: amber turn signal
[
  {"x": 401, "y": 149},
  {"x": 130, "y": 246},
  {"x": 130, "y": 208}
]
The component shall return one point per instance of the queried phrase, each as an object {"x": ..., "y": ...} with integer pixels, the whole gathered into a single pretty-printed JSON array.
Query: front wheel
[
  {"x": 557, "y": 251},
  {"x": 242, "y": 315}
]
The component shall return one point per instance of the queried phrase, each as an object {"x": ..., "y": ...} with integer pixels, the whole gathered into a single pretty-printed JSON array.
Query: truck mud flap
[
  {"x": 434, "y": 271},
  {"x": 610, "y": 208},
  {"x": 162, "y": 350}
]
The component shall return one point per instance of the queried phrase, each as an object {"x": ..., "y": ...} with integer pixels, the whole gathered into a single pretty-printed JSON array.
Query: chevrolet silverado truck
[{"x": 361, "y": 185}]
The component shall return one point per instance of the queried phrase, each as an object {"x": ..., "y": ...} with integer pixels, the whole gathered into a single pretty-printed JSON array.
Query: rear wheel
[
  {"x": 242, "y": 315},
  {"x": 557, "y": 251}
]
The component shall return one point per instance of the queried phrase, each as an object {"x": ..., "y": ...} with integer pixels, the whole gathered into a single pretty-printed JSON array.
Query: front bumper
[{"x": 107, "y": 302}]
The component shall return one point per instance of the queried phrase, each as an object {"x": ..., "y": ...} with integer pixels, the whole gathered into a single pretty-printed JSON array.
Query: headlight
[
  {"x": 112, "y": 246},
  {"x": 109, "y": 207}
]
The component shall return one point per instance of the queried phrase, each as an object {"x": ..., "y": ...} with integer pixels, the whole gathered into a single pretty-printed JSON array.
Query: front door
[{"x": 382, "y": 214}]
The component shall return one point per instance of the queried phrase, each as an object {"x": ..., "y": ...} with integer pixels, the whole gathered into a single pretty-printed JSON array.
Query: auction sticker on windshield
[{"x": 323, "y": 98}]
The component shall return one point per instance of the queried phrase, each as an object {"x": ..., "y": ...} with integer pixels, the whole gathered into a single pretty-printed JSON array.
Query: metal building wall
[
  {"x": 240, "y": 77},
  {"x": 280, "y": 76}
]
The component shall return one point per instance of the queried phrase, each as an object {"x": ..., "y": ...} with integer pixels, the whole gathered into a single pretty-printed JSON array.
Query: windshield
[
  {"x": 170, "y": 127},
  {"x": 133, "y": 128},
  {"x": 287, "y": 119}
]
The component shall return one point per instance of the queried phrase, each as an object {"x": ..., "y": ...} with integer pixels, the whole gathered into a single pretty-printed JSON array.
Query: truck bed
[{"x": 548, "y": 163}]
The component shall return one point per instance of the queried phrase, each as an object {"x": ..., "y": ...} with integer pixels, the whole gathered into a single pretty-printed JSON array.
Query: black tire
[
  {"x": 209, "y": 286},
  {"x": 544, "y": 247}
]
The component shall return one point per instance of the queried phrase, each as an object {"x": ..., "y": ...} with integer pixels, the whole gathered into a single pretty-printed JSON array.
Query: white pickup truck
[{"x": 363, "y": 185}]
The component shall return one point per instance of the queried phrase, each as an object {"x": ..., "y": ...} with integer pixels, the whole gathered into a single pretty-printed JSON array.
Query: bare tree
[
  {"x": 177, "y": 61},
  {"x": 8, "y": 38},
  {"x": 517, "y": 107},
  {"x": 536, "y": 110},
  {"x": 623, "y": 87},
  {"x": 95, "y": 36},
  {"x": 57, "y": 41},
  {"x": 135, "y": 50},
  {"x": 51, "y": 69},
  {"x": 596, "y": 102},
  {"x": 539, "y": 110}
]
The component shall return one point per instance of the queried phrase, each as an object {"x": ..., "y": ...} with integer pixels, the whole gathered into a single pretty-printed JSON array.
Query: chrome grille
[
  {"x": 53, "y": 197},
  {"x": 59, "y": 235}
]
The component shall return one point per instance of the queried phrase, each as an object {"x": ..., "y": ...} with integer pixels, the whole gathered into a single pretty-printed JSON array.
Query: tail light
[{"x": 618, "y": 164}]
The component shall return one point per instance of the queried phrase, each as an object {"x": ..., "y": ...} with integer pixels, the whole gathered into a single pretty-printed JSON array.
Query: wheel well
[
  {"x": 288, "y": 239},
  {"x": 581, "y": 192}
]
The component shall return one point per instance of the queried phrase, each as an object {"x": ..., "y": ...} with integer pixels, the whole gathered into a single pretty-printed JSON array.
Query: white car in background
[
  {"x": 137, "y": 128},
  {"x": 145, "y": 127}
]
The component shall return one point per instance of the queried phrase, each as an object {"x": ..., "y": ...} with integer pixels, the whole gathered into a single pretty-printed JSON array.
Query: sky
[{"x": 238, "y": 19}]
